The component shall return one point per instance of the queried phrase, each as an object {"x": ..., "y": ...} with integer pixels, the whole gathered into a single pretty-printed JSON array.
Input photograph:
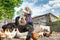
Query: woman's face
[{"x": 27, "y": 8}]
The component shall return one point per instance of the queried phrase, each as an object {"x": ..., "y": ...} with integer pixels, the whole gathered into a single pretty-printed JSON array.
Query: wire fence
[{"x": 54, "y": 26}]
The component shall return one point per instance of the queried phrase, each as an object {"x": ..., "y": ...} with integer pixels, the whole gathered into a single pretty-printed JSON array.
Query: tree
[
  {"x": 58, "y": 19},
  {"x": 7, "y": 8}
]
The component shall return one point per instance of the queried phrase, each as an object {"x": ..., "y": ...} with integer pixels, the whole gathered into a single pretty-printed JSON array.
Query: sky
[{"x": 40, "y": 7}]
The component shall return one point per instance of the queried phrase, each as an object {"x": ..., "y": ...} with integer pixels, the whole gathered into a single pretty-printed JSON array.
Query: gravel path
[{"x": 44, "y": 38}]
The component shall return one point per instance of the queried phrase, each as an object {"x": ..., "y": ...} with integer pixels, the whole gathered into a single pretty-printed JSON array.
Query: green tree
[
  {"x": 58, "y": 19},
  {"x": 7, "y": 8}
]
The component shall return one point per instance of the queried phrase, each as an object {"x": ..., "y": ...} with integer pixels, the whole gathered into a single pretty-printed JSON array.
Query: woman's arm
[
  {"x": 28, "y": 12},
  {"x": 24, "y": 11}
]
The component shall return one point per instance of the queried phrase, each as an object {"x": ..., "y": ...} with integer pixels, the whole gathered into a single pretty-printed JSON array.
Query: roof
[{"x": 45, "y": 15}]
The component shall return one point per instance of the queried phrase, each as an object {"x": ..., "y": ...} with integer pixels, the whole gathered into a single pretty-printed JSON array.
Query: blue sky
[{"x": 40, "y": 7}]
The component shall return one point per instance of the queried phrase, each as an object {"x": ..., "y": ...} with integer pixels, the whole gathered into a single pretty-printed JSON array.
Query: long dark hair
[{"x": 17, "y": 20}]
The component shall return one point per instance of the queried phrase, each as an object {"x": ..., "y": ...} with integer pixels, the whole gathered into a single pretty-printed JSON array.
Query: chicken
[{"x": 10, "y": 34}]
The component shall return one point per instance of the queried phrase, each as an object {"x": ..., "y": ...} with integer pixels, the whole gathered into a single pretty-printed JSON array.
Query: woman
[{"x": 28, "y": 16}]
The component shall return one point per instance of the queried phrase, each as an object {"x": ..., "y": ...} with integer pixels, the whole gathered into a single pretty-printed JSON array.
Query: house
[{"x": 44, "y": 19}]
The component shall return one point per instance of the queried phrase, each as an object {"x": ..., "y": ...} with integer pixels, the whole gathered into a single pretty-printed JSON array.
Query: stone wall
[{"x": 2, "y": 22}]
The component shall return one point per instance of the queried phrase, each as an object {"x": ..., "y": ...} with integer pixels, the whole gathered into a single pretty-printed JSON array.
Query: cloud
[
  {"x": 38, "y": 10},
  {"x": 50, "y": 6},
  {"x": 54, "y": 1},
  {"x": 46, "y": 7},
  {"x": 52, "y": 10},
  {"x": 56, "y": 5}
]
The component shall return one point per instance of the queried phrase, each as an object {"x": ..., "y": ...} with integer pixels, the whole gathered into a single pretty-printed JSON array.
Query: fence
[{"x": 55, "y": 26}]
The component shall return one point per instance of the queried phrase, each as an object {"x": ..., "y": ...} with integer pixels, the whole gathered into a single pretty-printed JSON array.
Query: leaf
[{"x": 7, "y": 8}]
